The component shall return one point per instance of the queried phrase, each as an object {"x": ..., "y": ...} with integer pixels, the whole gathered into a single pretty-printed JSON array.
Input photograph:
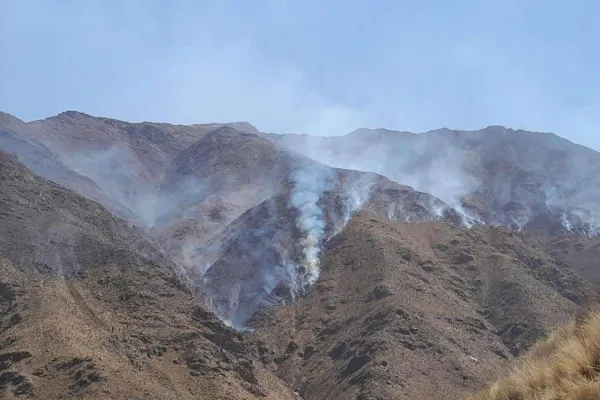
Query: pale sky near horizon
[{"x": 321, "y": 67}]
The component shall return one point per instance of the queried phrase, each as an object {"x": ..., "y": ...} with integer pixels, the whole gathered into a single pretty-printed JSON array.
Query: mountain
[
  {"x": 376, "y": 265},
  {"x": 200, "y": 190},
  {"x": 495, "y": 175},
  {"x": 41, "y": 160},
  {"x": 126, "y": 160},
  {"x": 408, "y": 310},
  {"x": 267, "y": 256},
  {"x": 92, "y": 308}
]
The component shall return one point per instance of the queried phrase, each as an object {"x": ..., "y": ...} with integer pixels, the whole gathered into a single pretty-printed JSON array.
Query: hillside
[
  {"x": 267, "y": 257},
  {"x": 376, "y": 265},
  {"x": 563, "y": 365},
  {"x": 91, "y": 308},
  {"x": 42, "y": 161},
  {"x": 409, "y": 311}
]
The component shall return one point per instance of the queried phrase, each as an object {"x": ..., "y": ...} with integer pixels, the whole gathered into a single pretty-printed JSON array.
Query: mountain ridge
[{"x": 335, "y": 276}]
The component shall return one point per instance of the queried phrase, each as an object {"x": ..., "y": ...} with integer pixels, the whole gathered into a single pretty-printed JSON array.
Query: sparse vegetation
[{"x": 564, "y": 365}]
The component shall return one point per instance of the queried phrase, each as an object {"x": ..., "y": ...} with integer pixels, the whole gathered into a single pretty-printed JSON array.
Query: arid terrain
[{"x": 156, "y": 261}]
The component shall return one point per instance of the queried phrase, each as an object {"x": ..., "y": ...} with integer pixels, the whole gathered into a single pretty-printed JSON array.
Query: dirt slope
[
  {"x": 92, "y": 309},
  {"x": 421, "y": 310}
]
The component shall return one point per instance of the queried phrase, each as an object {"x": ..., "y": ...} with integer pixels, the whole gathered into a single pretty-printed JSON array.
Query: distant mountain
[
  {"x": 14, "y": 135},
  {"x": 126, "y": 160},
  {"x": 496, "y": 175}
]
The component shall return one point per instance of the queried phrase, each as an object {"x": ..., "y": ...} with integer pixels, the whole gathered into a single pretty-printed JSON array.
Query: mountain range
[{"x": 157, "y": 261}]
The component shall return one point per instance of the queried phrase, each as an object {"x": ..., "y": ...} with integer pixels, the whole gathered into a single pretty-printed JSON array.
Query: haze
[{"x": 305, "y": 66}]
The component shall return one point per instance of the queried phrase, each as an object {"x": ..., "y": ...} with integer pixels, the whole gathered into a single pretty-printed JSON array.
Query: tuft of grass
[{"x": 564, "y": 365}]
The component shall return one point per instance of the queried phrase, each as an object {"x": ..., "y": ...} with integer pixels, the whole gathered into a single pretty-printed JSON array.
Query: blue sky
[{"x": 323, "y": 67}]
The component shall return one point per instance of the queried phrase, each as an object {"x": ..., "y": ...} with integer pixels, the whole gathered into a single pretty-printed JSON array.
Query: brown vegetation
[{"x": 564, "y": 365}]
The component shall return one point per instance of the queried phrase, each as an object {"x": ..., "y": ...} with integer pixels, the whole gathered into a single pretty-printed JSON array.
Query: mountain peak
[
  {"x": 243, "y": 126},
  {"x": 6, "y": 118},
  {"x": 383, "y": 132},
  {"x": 73, "y": 114}
]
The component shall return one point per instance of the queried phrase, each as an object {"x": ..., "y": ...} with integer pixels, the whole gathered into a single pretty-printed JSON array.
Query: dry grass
[{"x": 565, "y": 365}]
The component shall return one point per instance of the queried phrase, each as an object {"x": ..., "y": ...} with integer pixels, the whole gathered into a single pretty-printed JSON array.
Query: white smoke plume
[
  {"x": 564, "y": 219},
  {"x": 357, "y": 193},
  {"x": 309, "y": 184}
]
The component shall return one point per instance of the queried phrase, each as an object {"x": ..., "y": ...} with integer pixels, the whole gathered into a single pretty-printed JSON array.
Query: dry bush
[{"x": 564, "y": 365}]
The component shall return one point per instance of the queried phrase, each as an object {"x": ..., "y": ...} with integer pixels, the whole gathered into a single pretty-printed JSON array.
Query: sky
[{"x": 322, "y": 67}]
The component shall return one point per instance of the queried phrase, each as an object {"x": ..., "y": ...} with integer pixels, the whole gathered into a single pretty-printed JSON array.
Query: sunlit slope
[{"x": 564, "y": 365}]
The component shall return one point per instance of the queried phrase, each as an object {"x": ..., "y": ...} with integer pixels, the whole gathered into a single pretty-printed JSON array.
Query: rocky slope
[
  {"x": 356, "y": 286},
  {"x": 266, "y": 257},
  {"x": 406, "y": 311},
  {"x": 91, "y": 308}
]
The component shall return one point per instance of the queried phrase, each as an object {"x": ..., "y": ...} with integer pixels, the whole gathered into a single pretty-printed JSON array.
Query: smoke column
[{"x": 309, "y": 185}]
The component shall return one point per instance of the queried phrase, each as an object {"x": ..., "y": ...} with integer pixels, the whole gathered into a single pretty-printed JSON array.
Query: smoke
[
  {"x": 309, "y": 184},
  {"x": 124, "y": 179},
  {"x": 576, "y": 213},
  {"x": 564, "y": 219},
  {"x": 352, "y": 190},
  {"x": 357, "y": 193},
  {"x": 520, "y": 220},
  {"x": 422, "y": 161},
  {"x": 468, "y": 220},
  {"x": 174, "y": 198},
  {"x": 120, "y": 175},
  {"x": 497, "y": 176}
]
